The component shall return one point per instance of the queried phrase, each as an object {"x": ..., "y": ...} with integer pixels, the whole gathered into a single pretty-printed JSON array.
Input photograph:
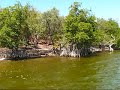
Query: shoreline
[{"x": 35, "y": 53}]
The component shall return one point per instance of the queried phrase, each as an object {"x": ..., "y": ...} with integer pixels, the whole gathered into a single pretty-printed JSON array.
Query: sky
[{"x": 100, "y": 8}]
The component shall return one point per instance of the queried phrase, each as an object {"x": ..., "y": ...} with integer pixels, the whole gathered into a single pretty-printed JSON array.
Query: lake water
[{"x": 96, "y": 72}]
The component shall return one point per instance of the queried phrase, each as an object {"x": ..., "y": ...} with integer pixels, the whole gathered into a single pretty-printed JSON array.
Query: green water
[{"x": 97, "y": 72}]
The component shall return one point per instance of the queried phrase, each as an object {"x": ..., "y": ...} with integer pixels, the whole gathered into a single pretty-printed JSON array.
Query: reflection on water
[{"x": 98, "y": 72}]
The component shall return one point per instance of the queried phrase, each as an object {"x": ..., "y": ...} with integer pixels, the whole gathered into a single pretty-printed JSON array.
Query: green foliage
[
  {"x": 109, "y": 26},
  {"x": 20, "y": 25},
  {"x": 109, "y": 29},
  {"x": 80, "y": 25},
  {"x": 53, "y": 24},
  {"x": 14, "y": 29},
  {"x": 118, "y": 43},
  {"x": 34, "y": 21}
]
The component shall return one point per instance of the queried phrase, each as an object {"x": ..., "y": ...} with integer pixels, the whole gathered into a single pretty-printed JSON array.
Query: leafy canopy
[{"x": 80, "y": 25}]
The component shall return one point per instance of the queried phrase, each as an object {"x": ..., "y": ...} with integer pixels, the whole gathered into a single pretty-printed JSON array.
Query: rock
[{"x": 64, "y": 52}]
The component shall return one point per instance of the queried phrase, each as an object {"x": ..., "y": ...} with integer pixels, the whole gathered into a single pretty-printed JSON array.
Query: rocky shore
[
  {"x": 44, "y": 50},
  {"x": 7, "y": 54}
]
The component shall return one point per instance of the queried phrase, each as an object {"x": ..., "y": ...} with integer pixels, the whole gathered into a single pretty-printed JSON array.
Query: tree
[
  {"x": 14, "y": 31},
  {"x": 52, "y": 23},
  {"x": 79, "y": 26},
  {"x": 35, "y": 24},
  {"x": 109, "y": 28}
]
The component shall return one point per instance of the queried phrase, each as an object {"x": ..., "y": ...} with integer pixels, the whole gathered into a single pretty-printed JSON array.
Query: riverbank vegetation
[{"x": 80, "y": 33}]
